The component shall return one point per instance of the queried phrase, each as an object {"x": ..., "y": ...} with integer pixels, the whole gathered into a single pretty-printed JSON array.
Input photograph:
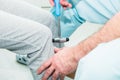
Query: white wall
[{"x": 84, "y": 31}]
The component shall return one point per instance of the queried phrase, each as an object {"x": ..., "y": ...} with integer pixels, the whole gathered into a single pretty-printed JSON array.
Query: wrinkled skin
[{"x": 59, "y": 65}]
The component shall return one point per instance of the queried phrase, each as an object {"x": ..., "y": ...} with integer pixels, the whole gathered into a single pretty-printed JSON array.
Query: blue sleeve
[
  {"x": 69, "y": 20},
  {"x": 95, "y": 11},
  {"x": 98, "y": 11}
]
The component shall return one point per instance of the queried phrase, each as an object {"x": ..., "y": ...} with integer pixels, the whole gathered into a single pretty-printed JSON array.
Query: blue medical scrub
[{"x": 95, "y": 11}]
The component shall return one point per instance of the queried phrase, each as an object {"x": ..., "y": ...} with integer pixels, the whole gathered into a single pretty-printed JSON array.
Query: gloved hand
[{"x": 63, "y": 3}]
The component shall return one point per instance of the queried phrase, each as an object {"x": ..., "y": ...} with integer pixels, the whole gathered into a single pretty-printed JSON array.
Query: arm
[
  {"x": 110, "y": 31},
  {"x": 65, "y": 62}
]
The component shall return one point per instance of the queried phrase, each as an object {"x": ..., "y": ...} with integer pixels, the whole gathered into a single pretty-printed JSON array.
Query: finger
[
  {"x": 55, "y": 75},
  {"x": 52, "y": 2},
  {"x": 65, "y": 4},
  {"x": 69, "y": 5},
  {"x": 62, "y": 77},
  {"x": 44, "y": 66},
  {"x": 57, "y": 49},
  {"x": 48, "y": 73}
]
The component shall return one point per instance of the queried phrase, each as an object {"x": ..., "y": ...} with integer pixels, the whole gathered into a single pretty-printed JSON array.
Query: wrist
[
  {"x": 79, "y": 52},
  {"x": 84, "y": 47}
]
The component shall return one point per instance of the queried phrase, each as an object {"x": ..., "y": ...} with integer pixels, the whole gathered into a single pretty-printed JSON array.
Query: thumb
[
  {"x": 51, "y": 2},
  {"x": 57, "y": 49}
]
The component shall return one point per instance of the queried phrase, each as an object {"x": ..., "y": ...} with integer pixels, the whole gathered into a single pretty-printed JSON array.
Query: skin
[
  {"x": 67, "y": 58},
  {"x": 63, "y": 3}
]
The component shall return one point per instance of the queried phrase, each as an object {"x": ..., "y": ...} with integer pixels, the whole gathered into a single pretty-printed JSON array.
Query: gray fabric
[
  {"x": 29, "y": 11},
  {"x": 23, "y": 31},
  {"x": 24, "y": 36}
]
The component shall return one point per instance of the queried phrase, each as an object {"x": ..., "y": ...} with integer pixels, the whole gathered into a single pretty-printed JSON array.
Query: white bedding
[{"x": 10, "y": 69}]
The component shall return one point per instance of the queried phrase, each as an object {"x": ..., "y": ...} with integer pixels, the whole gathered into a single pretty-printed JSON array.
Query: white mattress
[{"x": 10, "y": 69}]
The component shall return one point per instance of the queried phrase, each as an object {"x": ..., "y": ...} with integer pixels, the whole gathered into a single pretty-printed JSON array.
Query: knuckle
[
  {"x": 61, "y": 1},
  {"x": 54, "y": 77},
  {"x": 48, "y": 72}
]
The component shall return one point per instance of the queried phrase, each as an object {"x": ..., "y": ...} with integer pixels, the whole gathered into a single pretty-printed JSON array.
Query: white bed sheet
[{"x": 10, "y": 69}]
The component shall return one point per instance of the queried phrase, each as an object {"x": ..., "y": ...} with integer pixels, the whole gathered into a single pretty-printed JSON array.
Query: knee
[
  {"x": 45, "y": 32},
  {"x": 36, "y": 34},
  {"x": 42, "y": 35}
]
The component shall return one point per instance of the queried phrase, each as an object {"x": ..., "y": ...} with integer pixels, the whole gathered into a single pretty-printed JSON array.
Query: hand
[
  {"x": 57, "y": 49},
  {"x": 63, "y": 3},
  {"x": 61, "y": 64}
]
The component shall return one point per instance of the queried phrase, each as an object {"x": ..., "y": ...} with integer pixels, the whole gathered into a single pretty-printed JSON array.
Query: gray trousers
[{"x": 23, "y": 31}]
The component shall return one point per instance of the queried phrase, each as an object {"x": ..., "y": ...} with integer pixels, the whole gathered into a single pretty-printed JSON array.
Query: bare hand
[
  {"x": 61, "y": 64},
  {"x": 57, "y": 49},
  {"x": 63, "y": 3}
]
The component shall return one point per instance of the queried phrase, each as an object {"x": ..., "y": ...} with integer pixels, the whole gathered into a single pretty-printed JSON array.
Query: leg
[
  {"x": 26, "y": 10},
  {"x": 24, "y": 36},
  {"x": 101, "y": 64}
]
